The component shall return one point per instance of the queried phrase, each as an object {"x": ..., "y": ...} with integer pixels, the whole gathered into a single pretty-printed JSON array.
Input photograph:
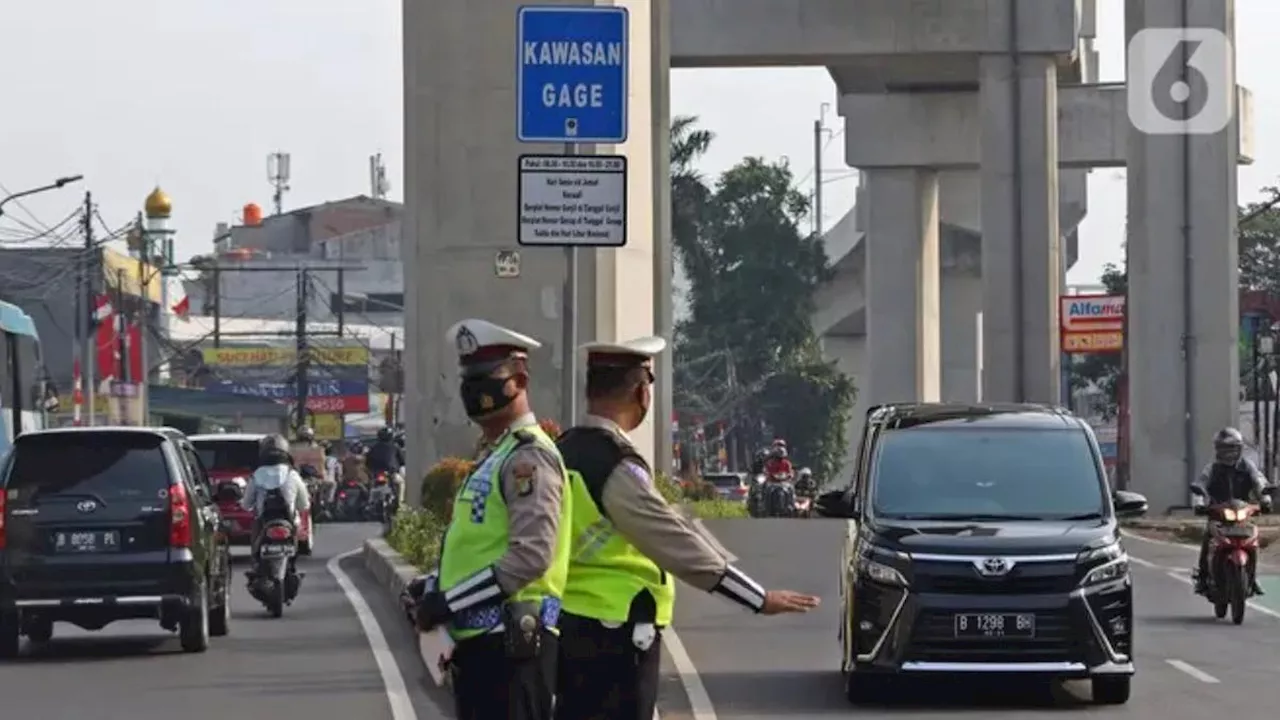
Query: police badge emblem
[{"x": 467, "y": 342}]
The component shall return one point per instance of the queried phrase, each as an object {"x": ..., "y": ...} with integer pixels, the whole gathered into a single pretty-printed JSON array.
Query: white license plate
[{"x": 273, "y": 550}]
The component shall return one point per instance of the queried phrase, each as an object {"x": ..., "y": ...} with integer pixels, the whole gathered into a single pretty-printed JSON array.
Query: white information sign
[{"x": 573, "y": 200}]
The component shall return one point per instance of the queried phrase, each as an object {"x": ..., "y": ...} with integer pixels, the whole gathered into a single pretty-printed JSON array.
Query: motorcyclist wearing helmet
[
  {"x": 805, "y": 483},
  {"x": 307, "y": 436},
  {"x": 276, "y": 490},
  {"x": 1231, "y": 476},
  {"x": 386, "y": 456},
  {"x": 778, "y": 462}
]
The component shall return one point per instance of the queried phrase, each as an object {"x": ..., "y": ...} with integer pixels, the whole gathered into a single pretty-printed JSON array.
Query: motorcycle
[
  {"x": 274, "y": 581},
  {"x": 350, "y": 502},
  {"x": 779, "y": 496},
  {"x": 806, "y": 490},
  {"x": 321, "y": 508},
  {"x": 382, "y": 498},
  {"x": 1233, "y": 540}
]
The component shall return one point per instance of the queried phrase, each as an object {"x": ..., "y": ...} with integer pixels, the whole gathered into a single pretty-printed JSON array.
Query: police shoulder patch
[
  {"x": 637, "y": 471},
  {"x": 525, "y": 474}
]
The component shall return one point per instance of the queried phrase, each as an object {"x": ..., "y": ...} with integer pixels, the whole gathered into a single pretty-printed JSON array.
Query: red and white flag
[
  {"x": 182, "y": 309},
  {"x": 102, "y": 308}
]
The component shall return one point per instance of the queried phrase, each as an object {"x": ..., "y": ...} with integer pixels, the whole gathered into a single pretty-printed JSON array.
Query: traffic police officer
[
  {"x": 628, "y": 542},
  {"x": 505, "y": 557}
]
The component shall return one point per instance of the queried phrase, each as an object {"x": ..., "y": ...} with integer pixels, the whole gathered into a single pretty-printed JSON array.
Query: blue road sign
[{"x": 571, "y": 84}]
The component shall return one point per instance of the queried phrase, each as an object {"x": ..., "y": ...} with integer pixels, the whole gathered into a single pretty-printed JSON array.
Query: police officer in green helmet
[
  {"x": 627, "y": 544},
  {"x": 505, "y": 556}
]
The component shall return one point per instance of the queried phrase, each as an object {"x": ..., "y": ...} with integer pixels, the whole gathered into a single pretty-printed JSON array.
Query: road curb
[{"x": 388, "y": 567}]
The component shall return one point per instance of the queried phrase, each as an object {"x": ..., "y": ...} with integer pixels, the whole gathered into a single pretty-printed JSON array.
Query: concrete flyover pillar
[
  {"x": 1020, "y": 242},
  {"x": 461, "y": 175},
  {"x": 902, "y": 276},
  {"x": 1183, "y": 303}
]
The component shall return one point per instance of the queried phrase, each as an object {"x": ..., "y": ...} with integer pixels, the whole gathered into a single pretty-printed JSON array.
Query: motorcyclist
[
  {"x": 778, "y": 462},
  {"x": 386, "y": 456},
  {"x": 332, "y": 473},
  {"x": 276, "y": 490},
  {"x": 1231, "y": 476},
  {"x": 805, "y": 482},
  {"x": 307, "y": 436}
]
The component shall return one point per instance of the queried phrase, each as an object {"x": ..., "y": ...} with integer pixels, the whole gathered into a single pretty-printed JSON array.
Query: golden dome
[{"x": 158, "y": 204}]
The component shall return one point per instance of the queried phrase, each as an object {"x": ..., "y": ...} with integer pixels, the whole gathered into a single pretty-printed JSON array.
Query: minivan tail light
[{"x": 179, "y": 517}]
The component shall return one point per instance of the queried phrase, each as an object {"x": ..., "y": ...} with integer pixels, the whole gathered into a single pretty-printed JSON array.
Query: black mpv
[{"x": 984, "y": 540}]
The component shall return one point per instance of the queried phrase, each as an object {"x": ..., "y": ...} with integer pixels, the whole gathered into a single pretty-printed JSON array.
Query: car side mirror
[
  {"x": 1129, "y": 504},
  {"x": 834, "y": 504}
]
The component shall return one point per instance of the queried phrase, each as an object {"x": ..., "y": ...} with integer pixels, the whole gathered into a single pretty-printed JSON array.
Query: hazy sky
[{"x": 194, "y": 95}]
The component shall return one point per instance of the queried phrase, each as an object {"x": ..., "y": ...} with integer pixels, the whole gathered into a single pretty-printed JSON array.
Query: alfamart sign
[{"x": 1092, "y": 323}]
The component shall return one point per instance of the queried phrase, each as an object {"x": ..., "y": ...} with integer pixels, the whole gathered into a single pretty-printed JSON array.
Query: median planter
[{"x": 1190, "y": 530}]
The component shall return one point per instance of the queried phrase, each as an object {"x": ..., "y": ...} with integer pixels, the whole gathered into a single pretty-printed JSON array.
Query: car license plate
[
  {"x": 995, "y": 625},
  {"x": 86, "y": 541},
  {"x": 273, "y": 550}
]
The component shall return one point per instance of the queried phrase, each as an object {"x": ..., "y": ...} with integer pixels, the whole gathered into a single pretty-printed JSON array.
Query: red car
[{"x": 230, "y": 460}]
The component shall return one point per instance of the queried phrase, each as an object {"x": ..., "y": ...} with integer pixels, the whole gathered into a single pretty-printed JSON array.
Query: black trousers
[
  {"x": 487, "y": 685},
  {"x": 603, "y": 675}
]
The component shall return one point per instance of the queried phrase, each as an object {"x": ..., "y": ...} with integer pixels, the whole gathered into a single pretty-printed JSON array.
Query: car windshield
[
  {"x": 228, "y": 455},
  {"x": 985, "y": 473},
  {"x": 99, "y": 466}
]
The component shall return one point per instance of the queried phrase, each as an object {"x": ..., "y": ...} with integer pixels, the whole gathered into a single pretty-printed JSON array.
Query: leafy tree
[
  {"x": 1102, "y": 370},
  {"x": 1260, "y": 244},
  {"x": 747, "y": 353}
]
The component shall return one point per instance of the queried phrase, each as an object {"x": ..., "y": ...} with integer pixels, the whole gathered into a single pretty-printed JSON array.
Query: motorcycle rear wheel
[{"x": 275, "y": 600}]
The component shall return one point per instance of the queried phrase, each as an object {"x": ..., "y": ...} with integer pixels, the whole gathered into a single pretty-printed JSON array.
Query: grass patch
[
  {"x": 714, "y": 509},
  {"x": 416, "y": 534}
]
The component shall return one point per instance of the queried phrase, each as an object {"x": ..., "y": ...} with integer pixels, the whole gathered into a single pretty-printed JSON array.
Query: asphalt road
[
  {"x": 1189, "y": 664},
  {"x": 315, "y": 662}
]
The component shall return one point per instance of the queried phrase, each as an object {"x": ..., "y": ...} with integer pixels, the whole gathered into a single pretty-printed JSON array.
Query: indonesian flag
[
  {"x": 102, "y": 308},
  {"x": 183, "y": 308}
]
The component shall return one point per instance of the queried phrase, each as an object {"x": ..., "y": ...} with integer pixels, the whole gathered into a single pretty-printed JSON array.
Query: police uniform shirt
[
  {"x": 532, "y": 478},
  {"x": 640, "y": 513},
  {"x": 533, "y": 488}
]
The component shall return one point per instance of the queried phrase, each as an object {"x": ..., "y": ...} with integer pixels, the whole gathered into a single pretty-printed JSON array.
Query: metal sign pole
[{"x": 569, "y": 371}]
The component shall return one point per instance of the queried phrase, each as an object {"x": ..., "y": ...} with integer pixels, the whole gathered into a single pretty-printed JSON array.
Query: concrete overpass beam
[
  {"x": 944, "y": 129},
  {"x": 902, "y": 281},
  {"x": 1020, "y": 259},
  {"x": 755, "y": 33},
  {"x": 1183, "y": 302}
]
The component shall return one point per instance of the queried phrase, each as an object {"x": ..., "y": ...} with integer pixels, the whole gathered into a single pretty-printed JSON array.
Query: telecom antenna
[
  {"x": 278, "y": 176},
  {"x": 378, "y": 178}
]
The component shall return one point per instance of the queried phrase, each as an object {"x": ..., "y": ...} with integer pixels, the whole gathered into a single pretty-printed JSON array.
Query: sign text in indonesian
[
  {"x": 567, "y": 200},
  {"x": 1092, "y": 323}
]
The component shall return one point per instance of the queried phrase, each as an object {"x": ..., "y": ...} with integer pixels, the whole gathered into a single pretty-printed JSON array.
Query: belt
[{"x": 489, "y": 617}]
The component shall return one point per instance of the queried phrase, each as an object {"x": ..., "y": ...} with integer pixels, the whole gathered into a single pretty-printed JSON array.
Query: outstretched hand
[{"x": 777, "y": 602}]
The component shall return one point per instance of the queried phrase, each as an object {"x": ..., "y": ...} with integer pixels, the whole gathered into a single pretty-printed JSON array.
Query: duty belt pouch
[{"x": 522, "y": 629}]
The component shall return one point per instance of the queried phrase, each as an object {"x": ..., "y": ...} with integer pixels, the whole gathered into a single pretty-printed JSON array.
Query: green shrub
[
  {"x": 699, "y": 489},
  {"x": 441, "y": 485},
  {"x": 717, "y": 509},
  {"x": 416, "y": 534},
  {"x": 669, "y": 488}
]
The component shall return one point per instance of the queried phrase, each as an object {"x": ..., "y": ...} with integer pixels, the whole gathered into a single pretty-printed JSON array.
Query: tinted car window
[
  {"x": 224, "y": 455},
  {"x": 723, "y": 480},
  {"x": 96, "y": 465},
  {"x": 923, "y": 472}
]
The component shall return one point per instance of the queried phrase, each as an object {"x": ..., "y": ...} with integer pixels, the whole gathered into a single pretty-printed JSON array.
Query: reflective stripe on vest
[
  {"x": 606, "y": 572},
  {"x": 478, "y": 537}
]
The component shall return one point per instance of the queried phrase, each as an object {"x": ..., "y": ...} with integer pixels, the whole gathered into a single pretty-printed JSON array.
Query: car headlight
[
  {"x": 881, "y": 573},
  {"x": 1107, "y": 572},
  {"x": 1106, "y": 553}
]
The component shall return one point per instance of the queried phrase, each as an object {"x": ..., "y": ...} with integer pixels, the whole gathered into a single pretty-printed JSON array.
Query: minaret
[{"x": 155, "y": 254}]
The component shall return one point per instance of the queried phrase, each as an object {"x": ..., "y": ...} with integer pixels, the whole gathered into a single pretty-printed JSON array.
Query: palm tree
[{"x": 689, "y": 194}]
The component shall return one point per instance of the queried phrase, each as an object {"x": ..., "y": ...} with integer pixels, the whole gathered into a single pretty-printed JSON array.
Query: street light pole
[{"x": 55, "y": 185}]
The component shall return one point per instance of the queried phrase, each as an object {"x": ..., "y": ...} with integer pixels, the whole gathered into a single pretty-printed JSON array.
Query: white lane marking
[
  {"x": 392, "y": 681},
  {"x": 1153, "y": 541},
  {"x": 1143, "y": 563},
  {"x": 1185, "y": 577},
  {"x": 699, "y": 701},
  {"x": 1193, "y": 671}
]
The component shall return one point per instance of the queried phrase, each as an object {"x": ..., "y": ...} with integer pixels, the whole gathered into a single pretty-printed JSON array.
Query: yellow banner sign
[
  {"x": 283, "y": 356},
  {"x": 1087, "y": 342},
  {"x": 328, "y": 426}
]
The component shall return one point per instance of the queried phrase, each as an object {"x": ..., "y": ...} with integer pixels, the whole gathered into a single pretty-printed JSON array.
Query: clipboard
[{"x": 436, "y": 648}]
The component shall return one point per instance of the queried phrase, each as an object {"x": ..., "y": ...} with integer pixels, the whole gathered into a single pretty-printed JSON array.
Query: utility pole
[
  {"x": 303, "y": 368},
  {"x": 89, "y": 343},
  {"x": 342, "y": 300},
  {"x": 819, "y": 135},
  {"x": 378, "y": 185},
  {"x": 217, "y": 307},
  {"x": 278, "y": 173}
]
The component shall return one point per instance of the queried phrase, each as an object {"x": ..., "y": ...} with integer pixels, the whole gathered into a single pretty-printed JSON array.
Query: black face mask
[{"x": 484, "y": 395}]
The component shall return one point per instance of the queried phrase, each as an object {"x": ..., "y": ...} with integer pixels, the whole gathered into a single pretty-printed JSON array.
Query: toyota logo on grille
[
  {"x": 994, "y": 566},
  {"x": 86, "y": 506}
]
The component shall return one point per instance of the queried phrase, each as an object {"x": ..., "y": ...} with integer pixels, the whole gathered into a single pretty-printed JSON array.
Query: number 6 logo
[{"x": 1180, "y": 81}]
